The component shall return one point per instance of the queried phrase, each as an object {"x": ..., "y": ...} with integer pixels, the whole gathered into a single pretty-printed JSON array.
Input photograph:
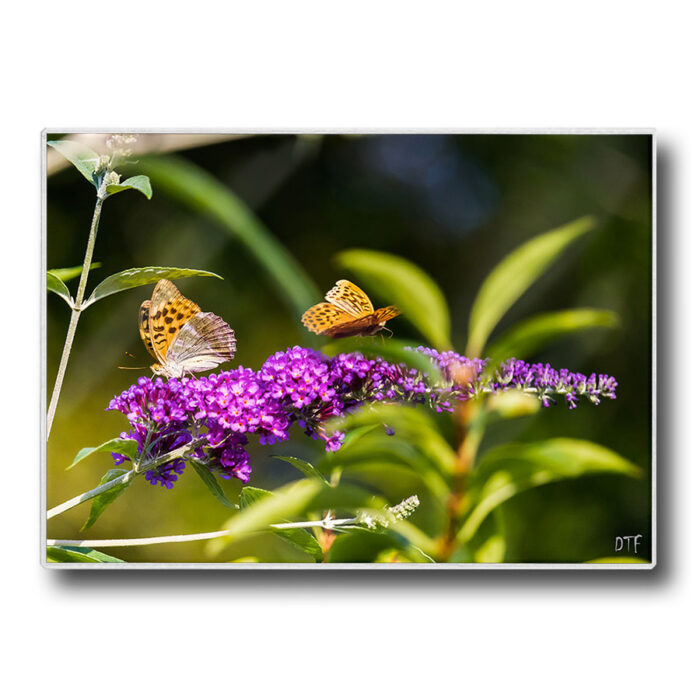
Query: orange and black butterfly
[
  {"x": 182, "y": 337},
  {"x": 348, "y": 312}
]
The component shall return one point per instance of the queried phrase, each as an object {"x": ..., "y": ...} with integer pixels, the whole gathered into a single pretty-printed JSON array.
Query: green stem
[
  {"x": 169, "y": 539},
  {"x": 469, "y": 432},
  {"x": 72, "y": 502},
  {"x": 75, "y": 315},
  {"x": 139, "y": 468}
]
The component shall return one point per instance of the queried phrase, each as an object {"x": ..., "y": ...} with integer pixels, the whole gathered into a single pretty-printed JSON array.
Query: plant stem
[
  {"x": 75, "y": 315},
  {"x": 326, "y": 523},
  {"x": 72, "y": 502},
  {"x": 139, "y": 468},
  {"x": 467, "y": 438},
  {"x": 169, "y": 539},
  {"x": 137, "y": 542}
]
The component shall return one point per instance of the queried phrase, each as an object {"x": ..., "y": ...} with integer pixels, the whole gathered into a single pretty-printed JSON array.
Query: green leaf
[
  {"x": 508, "y": 470},
  {"x": 304, "y": 467},
  {"x": 99, "y": 503},
  {"x": 375, "y": 469},
  {"x": 489, "y": 544},
  {"x": 140, "y": 276},
  {"x": 129, "y": 448},
  {"x": 287, "y": 502},
  {"x": 212, "y": 484},
  {"x": 56, "y": 285},
  {"x": 65, "y": 274},
  {"x": 360, "y": 546},
  {"x": 258, "y": 512},
  {"x": 410, "y": 424},
  {"x": 398, "y": 281},
  {"x": 390, "y": 349},
  {"x": 297, "y": 536},
  {"x": 513, "y": 275},
  {"x": 252, "y": 494},
  {"x": 528, "y": 337},
  {"x": 137, "y": 182},
  {"x": 203, "y": 193},
  {"x": 84, "y": 555},
  {"x": 353, "y": 436},
  {"x": 82, "y": 157}
]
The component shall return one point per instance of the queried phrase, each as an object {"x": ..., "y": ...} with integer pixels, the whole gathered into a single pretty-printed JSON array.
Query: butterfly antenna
[{"x": 132, "y": 367}]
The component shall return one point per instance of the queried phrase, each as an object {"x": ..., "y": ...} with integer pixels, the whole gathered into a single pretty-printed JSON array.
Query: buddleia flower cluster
[{"x": 218, "y": 414}]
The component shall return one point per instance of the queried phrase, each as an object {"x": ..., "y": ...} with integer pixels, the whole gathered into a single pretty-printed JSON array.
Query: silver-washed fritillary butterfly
[{"x": 180, "y": 336}]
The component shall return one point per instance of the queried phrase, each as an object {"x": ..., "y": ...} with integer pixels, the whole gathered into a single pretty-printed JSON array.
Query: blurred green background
[{"x": 455, "y": 205}]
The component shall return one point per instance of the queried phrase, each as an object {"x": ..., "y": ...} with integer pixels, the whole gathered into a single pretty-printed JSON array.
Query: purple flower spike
[{"x": 221, "y": 412}]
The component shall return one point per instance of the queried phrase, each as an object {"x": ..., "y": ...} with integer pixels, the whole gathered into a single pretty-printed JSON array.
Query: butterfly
[
  {"x": 349, "y": 312},
  {"x": 182, "y": 337}
]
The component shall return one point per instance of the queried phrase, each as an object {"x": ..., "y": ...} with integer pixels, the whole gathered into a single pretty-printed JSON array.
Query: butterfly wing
[
  {"x": 144, "y": 328},
  {"x": 385, "y": 314},
  {"x": 203, "y": 343},
  {"x": 350, "y": 298},
  {"x": 321, "y": 318},
  {"x": 168, "y": 313}
]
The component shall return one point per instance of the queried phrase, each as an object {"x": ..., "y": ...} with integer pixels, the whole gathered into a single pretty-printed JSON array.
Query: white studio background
[{"x": 338, "y": 66}]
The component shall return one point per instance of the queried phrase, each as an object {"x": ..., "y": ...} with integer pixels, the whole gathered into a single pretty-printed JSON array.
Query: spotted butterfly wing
[
  {"x": 350, "y": 298},
  {"x": 169, "y": 311},
  {"x": 144, "y": 327},
  {"x": 322, "y": 317},
  {"x": 386, "y": 313}
]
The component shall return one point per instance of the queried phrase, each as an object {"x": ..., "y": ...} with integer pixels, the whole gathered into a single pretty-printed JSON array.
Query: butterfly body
[
  {"x": 180, "y": 336},
  {"x": 348, "y": 312}
]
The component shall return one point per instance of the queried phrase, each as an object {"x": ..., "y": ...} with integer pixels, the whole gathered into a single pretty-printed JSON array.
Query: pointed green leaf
[
  {"x": 212, "y": 484},
  {"x": 531, "y": 335},
  {"x": 287, "y": 502},
  {"x": 138, "y": 182},
  {"x": 257, "y": 511},
  {"x": 297, "y": 536},
  {"x": 83, "y": 555},
  {"x": 375, "y": 469},
  {"x": 304, "y": 467},
  {"x": 354, "y": 435},
  {"x": 82, "y": 157},
  {"x": 140, "y": 276},
  {"x": 99, "y": 503},
  {"x": 409, "y": 423},
  {"x": 252, "y": 494},
  {"x": 514, "y": 274},
  {"x": 198, "y": 190},
  {"x": 128, "y": 448},
  {"x": 65, "y": 274},
  {"x": 56, "y": 285},
  {"x": 395, "y": 280},
  {"x": 508, "y": 470}
]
